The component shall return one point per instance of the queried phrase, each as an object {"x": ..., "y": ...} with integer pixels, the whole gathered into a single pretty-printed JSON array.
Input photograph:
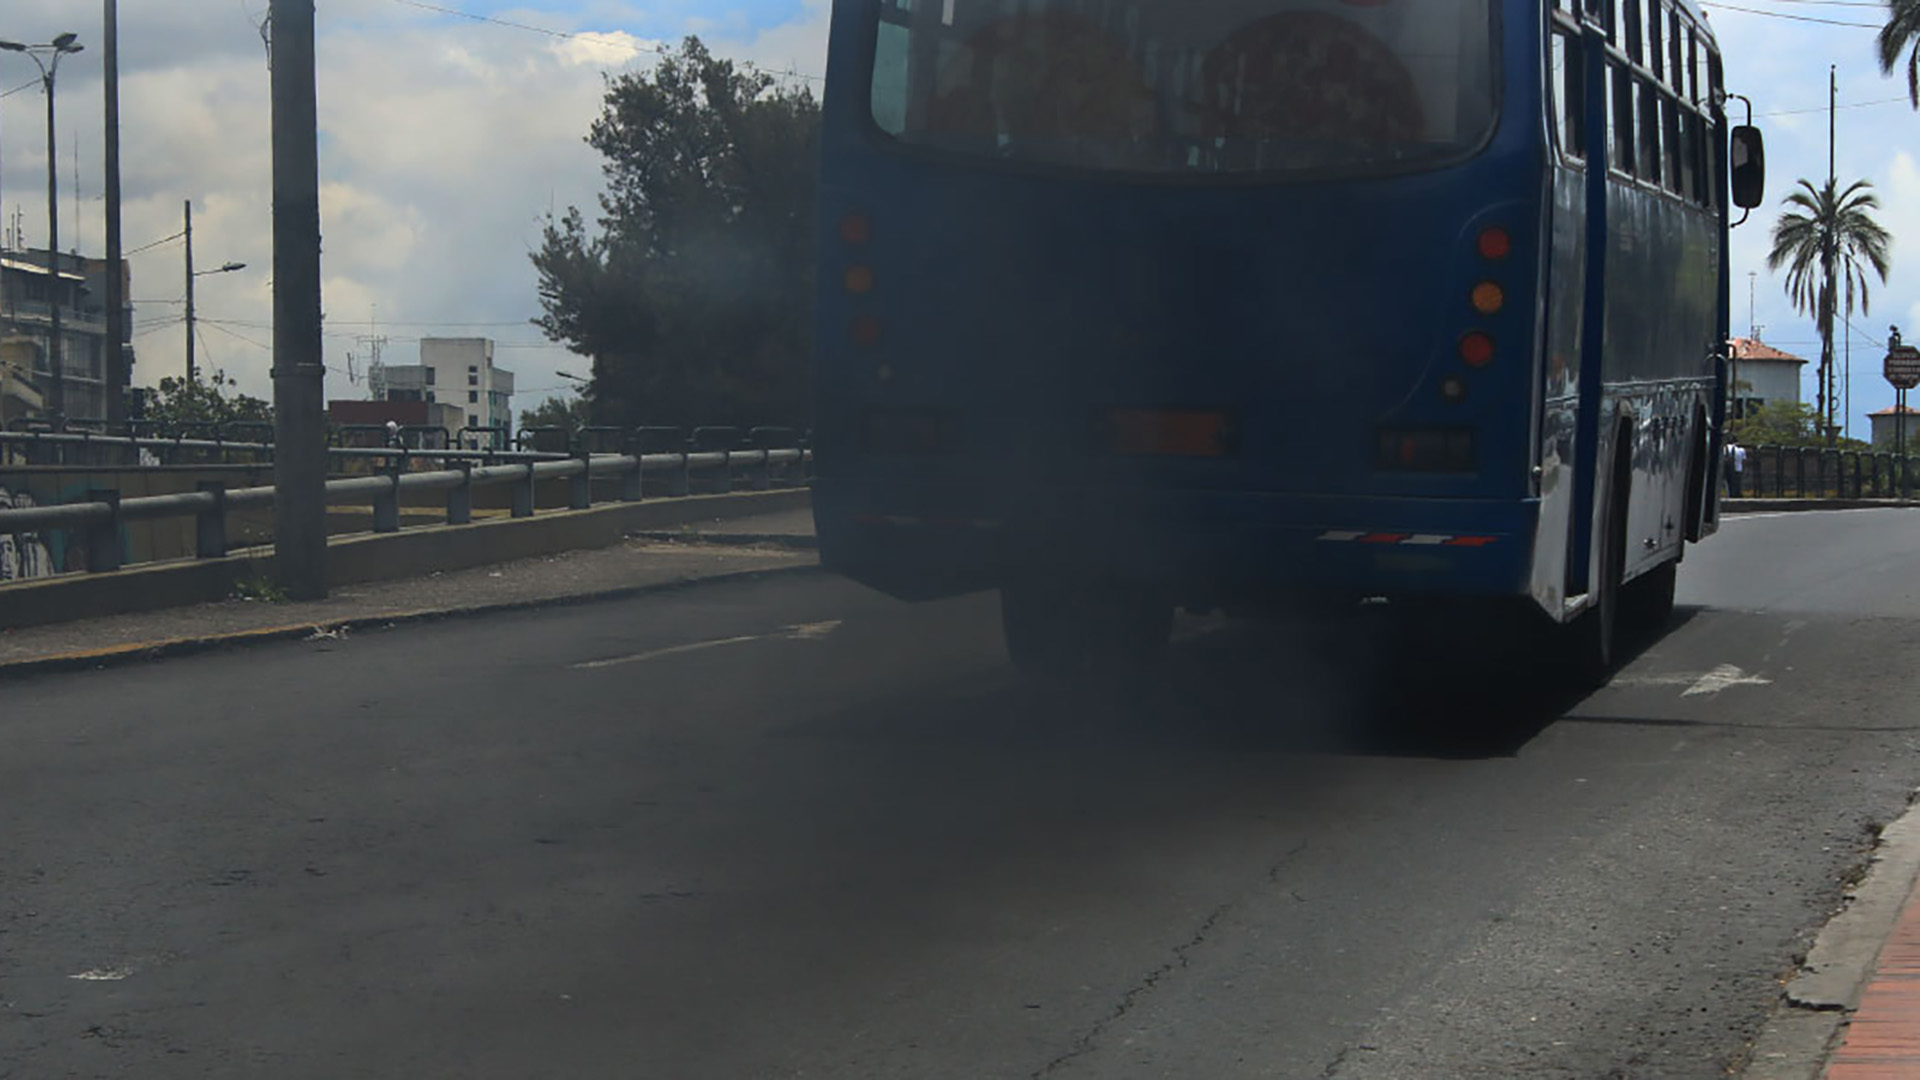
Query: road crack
[{"x": 1177, "y": 962}]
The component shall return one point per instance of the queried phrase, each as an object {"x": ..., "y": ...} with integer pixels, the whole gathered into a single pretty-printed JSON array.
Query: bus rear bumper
[{"x": 1209, "y": 547}]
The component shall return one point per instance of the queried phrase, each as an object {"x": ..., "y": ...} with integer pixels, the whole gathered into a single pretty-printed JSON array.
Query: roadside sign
[{"x": 1902, "y": 367}]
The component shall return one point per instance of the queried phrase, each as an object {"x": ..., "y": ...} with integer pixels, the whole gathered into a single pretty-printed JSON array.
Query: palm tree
[
  {"x": 1827, "y": 239},
  {"x": 1902, "y": 35}
]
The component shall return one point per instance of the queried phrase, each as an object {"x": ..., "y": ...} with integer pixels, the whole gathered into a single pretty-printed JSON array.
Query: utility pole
[
  {"x": 1752, "y": 334},
  {"x": 1828, "y": 382},
  {"x": 56, "y": 364},
  {"x": 193, "y": 374},
  {"x": 300, "y": 453},
  {"x": 117, "y": 375}
]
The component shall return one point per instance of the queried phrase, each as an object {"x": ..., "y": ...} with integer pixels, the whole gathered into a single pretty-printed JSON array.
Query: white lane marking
[
  {"x": 103, "y": 974},
  {"x": 1723, "y": 677},
  {"x": 1726, "y": 519},
  {"x": 1697, "y": 683},
  {"x": 1678, "y": 679},
  {"x": 798, "y": 632}
]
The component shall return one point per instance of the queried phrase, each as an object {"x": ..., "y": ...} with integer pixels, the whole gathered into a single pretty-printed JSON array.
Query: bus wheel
[
  {"x": 1061, "y": 628},
  {"x": 1647, "y": 603}
]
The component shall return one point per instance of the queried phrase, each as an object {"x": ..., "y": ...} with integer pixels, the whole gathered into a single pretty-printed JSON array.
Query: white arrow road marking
[
  {"x": 1722, "y": 677},
  {"x": 800, "y": 632},
  {"x": 1712, "y": 682}
]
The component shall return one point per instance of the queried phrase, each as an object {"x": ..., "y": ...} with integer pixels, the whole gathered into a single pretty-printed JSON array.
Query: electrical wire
[
  {"x": 155, "y": 328},
  {"x": 1783, "y": 15},
  {"x": 23, "y": 87},
  {"x": 238, "y": 336},
  {"x": 597, "y": 39},
  {"x": 1844, "y": 105},
  {"x": 149, "y": 247},
  {"x": 1870, "y": 338}
]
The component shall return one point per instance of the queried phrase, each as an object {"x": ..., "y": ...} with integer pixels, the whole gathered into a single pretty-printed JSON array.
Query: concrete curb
[
  {"x": 780, "y": 540},
  {"x": 1806, "y": 1024},
  {"x": 136, "y": 652},
  {"x": 1777, "y": 506}
]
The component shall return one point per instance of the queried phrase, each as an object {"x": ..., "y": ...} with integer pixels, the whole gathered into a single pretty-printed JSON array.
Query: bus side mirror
[{"x": 1748, "y": 159}]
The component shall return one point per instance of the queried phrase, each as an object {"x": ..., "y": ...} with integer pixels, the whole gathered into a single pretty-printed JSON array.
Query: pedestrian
[{"x": 1736, "y": 468}]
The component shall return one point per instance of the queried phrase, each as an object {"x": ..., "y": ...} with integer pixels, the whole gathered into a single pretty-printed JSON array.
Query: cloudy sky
[{"x": 447, "y": 139}]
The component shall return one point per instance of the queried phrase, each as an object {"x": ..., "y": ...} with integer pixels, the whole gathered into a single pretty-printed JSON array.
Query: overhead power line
[
  {"x": 155, "y": 244},
  {"x": 1844, "y": 105},
  {"x": 23, "y": 87},
  {"x": 597, "y": 39},
  {"x": 1784, "y": 15},
  {"x": 264, "y": 347}
]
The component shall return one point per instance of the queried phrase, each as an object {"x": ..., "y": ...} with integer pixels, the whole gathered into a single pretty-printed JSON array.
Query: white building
[
  {"x": 458, "y": 373},
  {"x": 1763, "y": 375},
  {"x": 1887, "y": 427}
]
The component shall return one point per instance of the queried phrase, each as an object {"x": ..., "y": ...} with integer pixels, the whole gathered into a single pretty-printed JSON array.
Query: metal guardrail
[
  {"x": 1807, "y": 472},
  {"x": 96, "y": 520},
  {"x": 47, "y": 447}
]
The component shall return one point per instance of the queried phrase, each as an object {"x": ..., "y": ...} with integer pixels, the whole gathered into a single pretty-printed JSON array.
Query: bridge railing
[
  {"x": 1809, "y": 472},
  {"x": 93, "y": 524}
]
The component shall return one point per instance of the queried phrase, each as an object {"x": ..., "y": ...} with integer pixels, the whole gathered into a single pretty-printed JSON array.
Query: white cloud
[
  {"x": 603, "y": 50},
  {"x": 444, "y": 143}
]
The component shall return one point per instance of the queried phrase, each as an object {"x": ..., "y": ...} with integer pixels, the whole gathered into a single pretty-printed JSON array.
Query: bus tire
[
  {"x": 1647, "y": 602},
  {"x": 1061, "y": 628}
]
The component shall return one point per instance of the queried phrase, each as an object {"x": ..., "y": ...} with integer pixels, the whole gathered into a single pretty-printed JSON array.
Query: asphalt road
[{"x": 788, "y": 828}]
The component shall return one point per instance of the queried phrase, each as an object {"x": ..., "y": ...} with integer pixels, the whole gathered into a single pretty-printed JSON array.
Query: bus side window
[
  {"x": 1620, "y": 132},
  {"x": 1646, "y": 131},
  {"x": 1649, "y": 131},
  {"x": 1656, "y": 47},
  {"x": 1691, "y": 174},
  {"x": 1676, "y": 69},
  {"x": 1670, "y": 134},
  {"x": 1569, "y": 97}
]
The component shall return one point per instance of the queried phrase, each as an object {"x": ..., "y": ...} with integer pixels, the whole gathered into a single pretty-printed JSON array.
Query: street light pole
[
  {"x": 117, "y": 375},
  {"x": 193, "y": 372},
  {"x": 59, "y": 47},
  {"x": 192, "y": 375}
]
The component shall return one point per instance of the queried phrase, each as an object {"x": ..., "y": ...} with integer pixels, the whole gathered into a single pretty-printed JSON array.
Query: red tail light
[{"x": 1476, "y": 348}]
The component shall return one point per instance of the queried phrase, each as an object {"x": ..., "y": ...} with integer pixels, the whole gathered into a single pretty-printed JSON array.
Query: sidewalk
[
  {"x": 1881, "y": 1040},
  {"x": 726, "y": 549},
  {"x": 1852, "y": 1009}
]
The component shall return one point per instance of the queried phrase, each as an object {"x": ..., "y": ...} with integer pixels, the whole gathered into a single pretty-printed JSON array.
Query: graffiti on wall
[{"x": 22, "y": 555}]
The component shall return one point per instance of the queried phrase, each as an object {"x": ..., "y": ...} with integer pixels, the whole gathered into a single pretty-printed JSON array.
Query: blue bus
[{"x": 1129, "y": 305}]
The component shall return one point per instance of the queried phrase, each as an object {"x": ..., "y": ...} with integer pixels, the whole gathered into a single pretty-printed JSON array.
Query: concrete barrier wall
[
  {"x": 141, "y": 541},
  {"x": 367, "y": 557}
]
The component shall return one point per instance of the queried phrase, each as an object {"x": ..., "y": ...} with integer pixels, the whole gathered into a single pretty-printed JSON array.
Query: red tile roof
[
  {"x": 1751, "y": 349},
  {"x": 1911, "y": 411}
]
